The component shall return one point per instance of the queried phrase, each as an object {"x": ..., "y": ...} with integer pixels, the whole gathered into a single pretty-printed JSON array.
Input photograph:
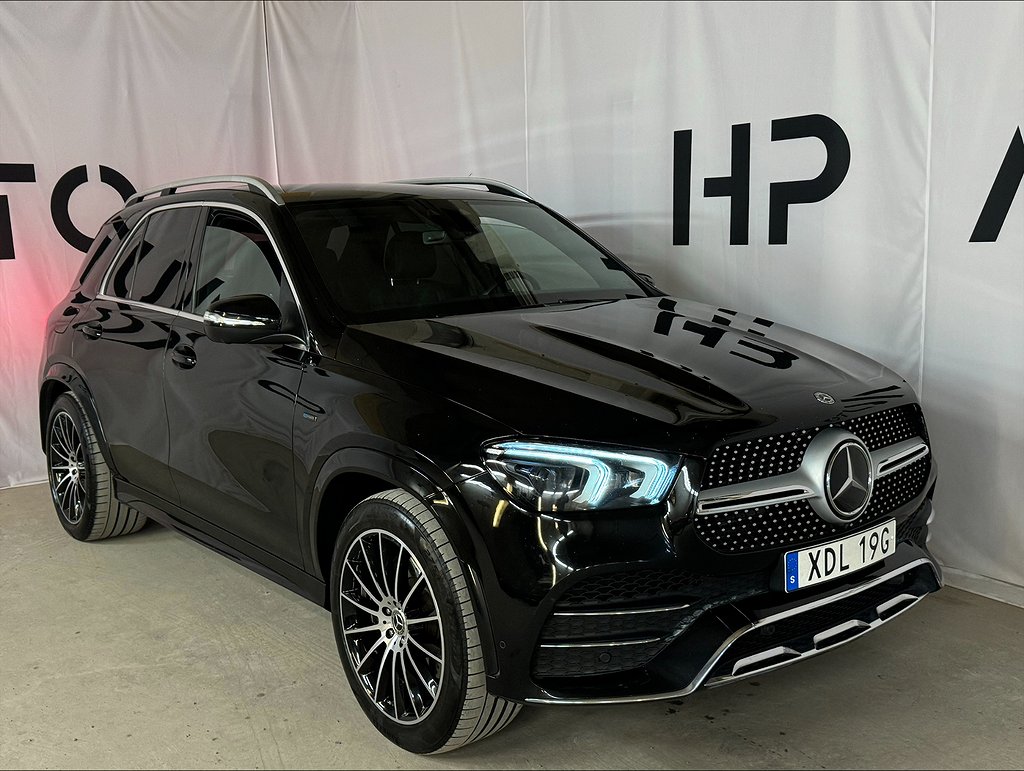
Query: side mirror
[{"x": 242, "y": 319}]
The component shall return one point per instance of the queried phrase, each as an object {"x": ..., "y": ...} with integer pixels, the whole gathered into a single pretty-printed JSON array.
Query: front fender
[{"x": 397, "y": 472}]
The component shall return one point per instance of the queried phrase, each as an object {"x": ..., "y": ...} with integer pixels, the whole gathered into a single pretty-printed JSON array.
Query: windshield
[{"x": 426, "y": 257}]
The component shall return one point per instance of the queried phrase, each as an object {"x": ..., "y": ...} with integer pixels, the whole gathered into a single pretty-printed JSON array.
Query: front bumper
[
  {"x": 622, "y": 609},
  {"x": 742, "y": 639}
]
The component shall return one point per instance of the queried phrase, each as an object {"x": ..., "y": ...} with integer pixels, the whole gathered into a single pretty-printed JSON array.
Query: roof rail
[
  {"x": 255, "y": 184},
  {"x": 492, "y": 185}
]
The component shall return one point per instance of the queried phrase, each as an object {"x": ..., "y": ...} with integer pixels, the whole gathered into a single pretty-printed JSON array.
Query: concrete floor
[{"x": 151, "y": 651}]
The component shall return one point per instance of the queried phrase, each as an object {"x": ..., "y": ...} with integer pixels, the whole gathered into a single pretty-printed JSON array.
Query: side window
[
  {"x": 105, "y": 240},
  {"x": 119, "y": 283},
  {"x": 161, "y": 256},
  {"x": 236, "y": 258}
]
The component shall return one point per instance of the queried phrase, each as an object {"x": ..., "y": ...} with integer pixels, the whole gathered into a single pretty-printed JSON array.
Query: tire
[
  {"x": 81, "y": 485},
  {"x": 393, "y": 564}
]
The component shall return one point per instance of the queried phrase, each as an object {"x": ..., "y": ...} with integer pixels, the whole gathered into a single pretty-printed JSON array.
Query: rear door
[
  {"x": 121, "y": 339},
  {"x": 230, "y": 406}
]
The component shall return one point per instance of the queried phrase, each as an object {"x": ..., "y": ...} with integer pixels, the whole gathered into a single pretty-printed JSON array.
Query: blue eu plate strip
[{"x": 792, "y": 571}]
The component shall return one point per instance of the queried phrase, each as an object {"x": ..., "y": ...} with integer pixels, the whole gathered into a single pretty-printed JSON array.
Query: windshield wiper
[{"x": 567, "y": 301}]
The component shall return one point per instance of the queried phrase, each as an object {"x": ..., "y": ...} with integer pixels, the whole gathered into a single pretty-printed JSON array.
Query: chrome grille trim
[
  {"x": 638, "y": 611},
  {"x": 746, "y": 495},
  {"x": 604, "y": 644},
  {"x": 779, "y": 655},
  {"x": 891, "y": 459}
]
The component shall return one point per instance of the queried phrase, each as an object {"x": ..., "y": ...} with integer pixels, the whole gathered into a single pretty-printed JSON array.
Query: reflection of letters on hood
[{"x": 711, "y": 336}]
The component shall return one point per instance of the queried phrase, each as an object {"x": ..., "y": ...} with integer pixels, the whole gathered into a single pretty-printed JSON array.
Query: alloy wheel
[
  {"x": 392, "y": 629},
  {"x": 68, "y": 469}
]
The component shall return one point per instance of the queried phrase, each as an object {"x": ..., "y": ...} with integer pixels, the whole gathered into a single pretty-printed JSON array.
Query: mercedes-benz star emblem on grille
[
  {"x": 824, "y": 398},
  {"x": 848, "y": 480}
]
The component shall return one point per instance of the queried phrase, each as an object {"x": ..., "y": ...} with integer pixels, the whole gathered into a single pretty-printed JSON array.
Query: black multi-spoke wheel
[
  {"x": 406, "y": 628},
  {"x": 80, "y": 481}
]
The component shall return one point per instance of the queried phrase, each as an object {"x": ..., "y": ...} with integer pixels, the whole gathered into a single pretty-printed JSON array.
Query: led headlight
[{"x": 556, "y": 477}]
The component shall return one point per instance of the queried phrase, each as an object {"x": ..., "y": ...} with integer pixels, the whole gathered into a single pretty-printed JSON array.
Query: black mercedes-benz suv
[{"x": 512, "y": 468}]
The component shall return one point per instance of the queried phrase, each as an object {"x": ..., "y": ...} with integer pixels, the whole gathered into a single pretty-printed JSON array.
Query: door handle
[
  {"x": 184, "y": 356},
  {"x": 93, "y": 331}
]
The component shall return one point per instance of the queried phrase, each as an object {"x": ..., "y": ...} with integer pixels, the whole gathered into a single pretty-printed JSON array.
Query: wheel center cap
[
  {"x": 394, "y": 618},
  {"x": 398, "y": 622}
]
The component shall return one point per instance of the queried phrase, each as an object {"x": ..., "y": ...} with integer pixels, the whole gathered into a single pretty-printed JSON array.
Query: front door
[{"x": 230, "y": 406}]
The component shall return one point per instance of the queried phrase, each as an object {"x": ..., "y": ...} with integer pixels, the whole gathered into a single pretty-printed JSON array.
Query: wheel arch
[
  {"x": 62, "y": 378},
  {"x": 352, "y": 474}
]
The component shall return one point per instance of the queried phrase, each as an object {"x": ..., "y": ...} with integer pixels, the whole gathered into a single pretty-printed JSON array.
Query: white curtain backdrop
[
  {"x": 974, "y": 329},
  {"x": 156, "y": 91},
  {"x": 580, "y": 104}
]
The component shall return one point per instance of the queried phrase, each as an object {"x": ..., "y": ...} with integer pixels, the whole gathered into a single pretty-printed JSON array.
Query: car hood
[{"x": 662, "y": 373}]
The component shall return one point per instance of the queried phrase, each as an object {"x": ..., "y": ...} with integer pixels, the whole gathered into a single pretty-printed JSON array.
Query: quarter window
[{"x": 120, "y": 282}]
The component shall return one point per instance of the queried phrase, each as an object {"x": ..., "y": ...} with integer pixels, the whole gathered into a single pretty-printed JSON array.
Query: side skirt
[{"x": 222, "y": 542}]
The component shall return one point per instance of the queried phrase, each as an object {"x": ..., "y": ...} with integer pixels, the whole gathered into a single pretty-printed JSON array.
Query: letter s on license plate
[{"x": 829, "y": 561}]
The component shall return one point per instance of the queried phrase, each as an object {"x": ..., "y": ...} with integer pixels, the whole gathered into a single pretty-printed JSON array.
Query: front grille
[
  {"x": 753, "y": 459},
  {"x": 780, "y": 454},
  {"x": 790, "y": 524},
  {"x": 655, "y": 588},
  {"x": 764, "y": 527},
  {"x": 661, "y": 586},
  {"x": 898, "y": 488},
  {"x": 881, "y": 429}
]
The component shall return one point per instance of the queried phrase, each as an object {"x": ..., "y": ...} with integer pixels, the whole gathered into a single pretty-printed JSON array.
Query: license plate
[{"x": 807, "y": 567}]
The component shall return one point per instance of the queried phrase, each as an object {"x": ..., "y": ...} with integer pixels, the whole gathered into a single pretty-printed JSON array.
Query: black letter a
[{"x": 997, "y": 206}]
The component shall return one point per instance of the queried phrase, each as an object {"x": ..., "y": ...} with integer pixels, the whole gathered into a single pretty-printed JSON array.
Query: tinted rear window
[{"x": 160, "y": 259}]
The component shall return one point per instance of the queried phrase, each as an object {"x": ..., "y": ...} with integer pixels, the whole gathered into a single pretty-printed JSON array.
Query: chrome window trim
[
  {"x": 140, "y": 305},
  {"x": 102, "y": 294},
  {"x": 700, "y": 677}
]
